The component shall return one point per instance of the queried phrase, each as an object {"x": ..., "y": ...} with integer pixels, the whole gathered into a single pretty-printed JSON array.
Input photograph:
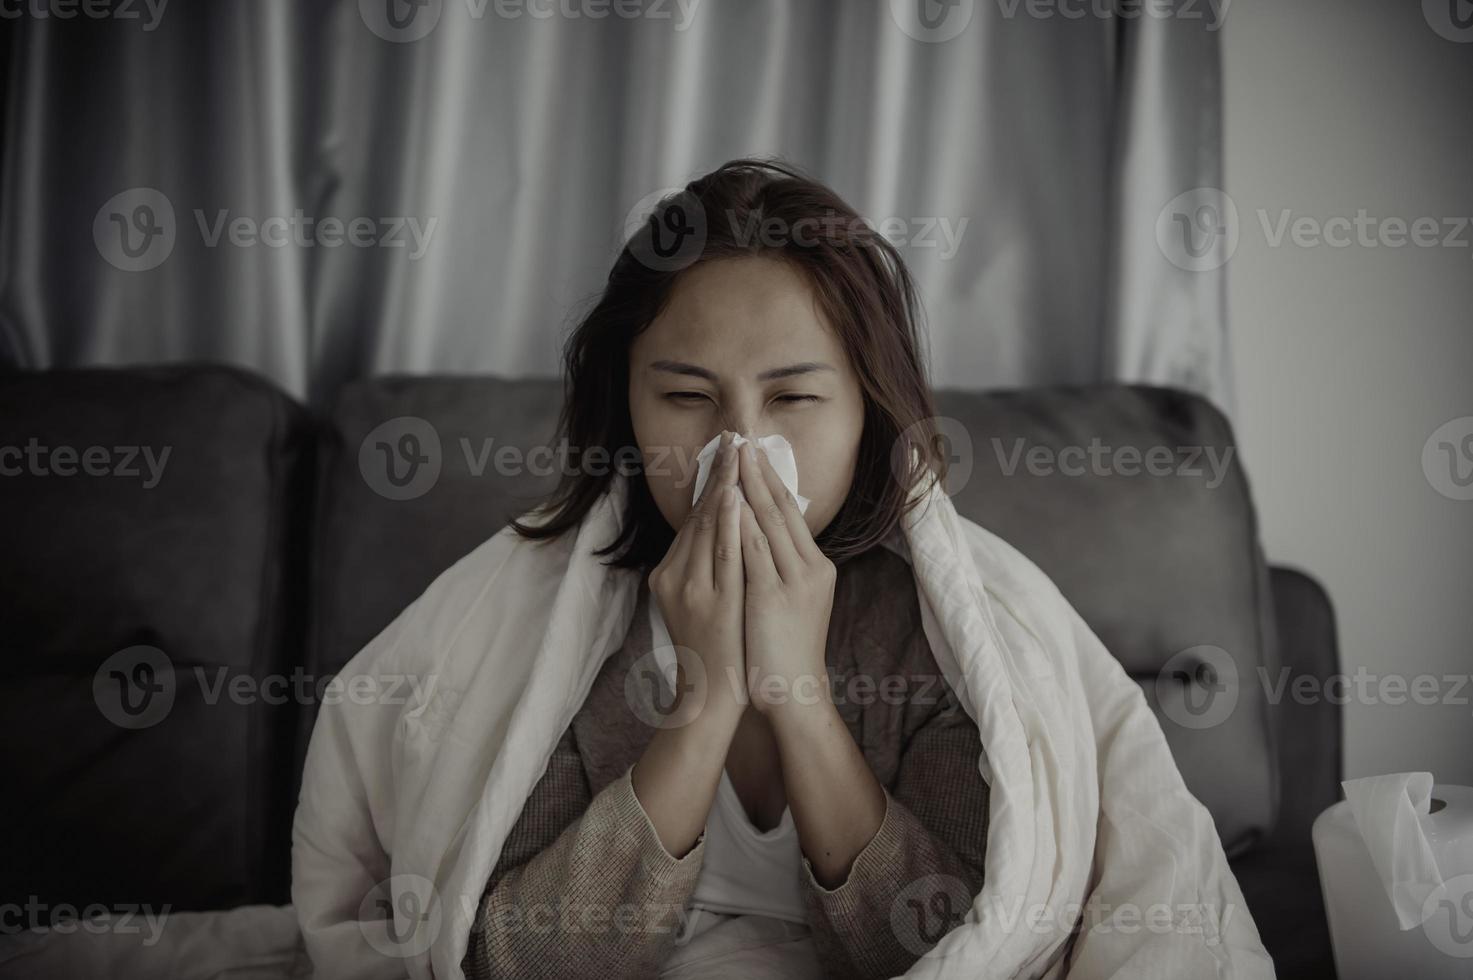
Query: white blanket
[{"x": 1092, "y": 828}]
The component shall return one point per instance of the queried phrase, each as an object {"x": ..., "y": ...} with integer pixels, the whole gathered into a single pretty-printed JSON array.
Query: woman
[
  {"x": 826, "y": 765},
  {"x": 786, "y": 786}
]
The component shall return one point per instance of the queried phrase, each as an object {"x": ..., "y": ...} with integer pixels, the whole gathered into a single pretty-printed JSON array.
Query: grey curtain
[{"x": 329, "y": 190}]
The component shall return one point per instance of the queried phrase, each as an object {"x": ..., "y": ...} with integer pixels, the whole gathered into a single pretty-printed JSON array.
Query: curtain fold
[
  {"x": 1025, "y": 162},
  {"x": 1165, "y": 320}
]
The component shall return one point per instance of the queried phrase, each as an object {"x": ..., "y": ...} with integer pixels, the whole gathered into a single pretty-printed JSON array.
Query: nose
[{"x": 740, "y": 422}]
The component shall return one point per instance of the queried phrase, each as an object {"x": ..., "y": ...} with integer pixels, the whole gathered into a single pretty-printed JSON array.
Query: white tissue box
[{"x": 1368, "y": 939}]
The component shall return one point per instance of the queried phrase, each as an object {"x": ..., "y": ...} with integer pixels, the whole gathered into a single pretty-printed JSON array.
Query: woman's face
[{"x": 741, "y": 345}]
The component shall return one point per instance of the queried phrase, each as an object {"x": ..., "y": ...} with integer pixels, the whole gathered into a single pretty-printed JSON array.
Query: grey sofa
[{"x": 272, "y": 543}]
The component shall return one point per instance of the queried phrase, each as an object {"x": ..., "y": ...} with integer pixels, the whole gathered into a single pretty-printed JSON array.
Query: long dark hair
[{"x": 753, "y": 207}]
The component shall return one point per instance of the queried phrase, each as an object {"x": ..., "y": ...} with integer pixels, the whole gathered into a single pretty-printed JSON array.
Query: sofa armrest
[
  {"x": 1279, "y": 877},
  {"x": 1310, "y": 728}
]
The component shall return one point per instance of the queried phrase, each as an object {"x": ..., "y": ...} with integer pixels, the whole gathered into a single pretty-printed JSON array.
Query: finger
[
  {"x": 797, "y": 525},
  {"x": 700, "y": 518},
  {"x": 728, "y": 557},
  {"x": 756, "y": 553},
  {"x": 722, "y": 465},
  {"x": 700, "y": 545},
  {"x": 770, "y": 516}
]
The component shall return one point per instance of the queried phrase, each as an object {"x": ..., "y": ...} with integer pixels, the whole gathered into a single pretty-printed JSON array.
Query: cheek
[{"x": 826, "y": 470}]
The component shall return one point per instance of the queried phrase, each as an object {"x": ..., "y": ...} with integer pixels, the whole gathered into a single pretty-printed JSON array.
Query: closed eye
[{"x": 687, "y": 396}]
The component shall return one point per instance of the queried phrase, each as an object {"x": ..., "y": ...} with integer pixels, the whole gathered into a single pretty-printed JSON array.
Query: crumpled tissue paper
[{"x": 779, "y": 454}]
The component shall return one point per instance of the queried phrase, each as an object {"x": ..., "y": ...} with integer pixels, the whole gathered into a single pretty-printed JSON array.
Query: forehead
[{"x": 730, "y": 313}]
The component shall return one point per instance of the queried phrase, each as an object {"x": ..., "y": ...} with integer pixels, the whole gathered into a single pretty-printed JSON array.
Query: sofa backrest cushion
[
  {"x": 1133, "y": 500},
  {"x": 153, "y": 531}
]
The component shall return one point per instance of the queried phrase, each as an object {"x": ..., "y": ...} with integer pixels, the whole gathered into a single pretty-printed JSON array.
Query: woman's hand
[
  {"x": 790, "y": 594},
  {"x": 699, "y": 585},
  {"x": 838, "y": 805},
  {"x": 699, "y": 588}
]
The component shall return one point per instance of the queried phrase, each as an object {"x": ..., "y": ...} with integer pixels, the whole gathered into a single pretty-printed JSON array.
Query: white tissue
[
  {"x": 1387, "y": 811},
  {"x": 779, "y": 454}
]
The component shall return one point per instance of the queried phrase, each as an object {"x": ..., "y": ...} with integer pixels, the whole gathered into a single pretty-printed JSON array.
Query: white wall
[{"x": 1348, "y": 359}]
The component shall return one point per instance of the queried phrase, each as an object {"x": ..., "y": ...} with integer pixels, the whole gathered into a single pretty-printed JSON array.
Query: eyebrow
[{"x": 771, "y": 374}]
